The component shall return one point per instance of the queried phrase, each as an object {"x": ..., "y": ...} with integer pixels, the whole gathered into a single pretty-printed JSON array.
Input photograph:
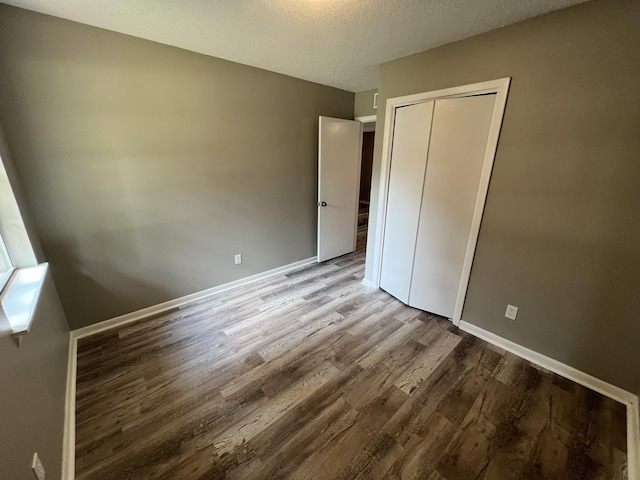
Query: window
[
  {"x": 6, "y": 265},
  {"x": 21, "y": 278}
]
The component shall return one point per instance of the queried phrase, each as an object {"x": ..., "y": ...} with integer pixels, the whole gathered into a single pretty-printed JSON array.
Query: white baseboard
[
  {"x": 367, "y": 283},
  {"x": 69, "y": 441},
  {"x": 633, "y": 449},
  {"x": 179, "y": 302},
  {"x": 589, "y": 381}
]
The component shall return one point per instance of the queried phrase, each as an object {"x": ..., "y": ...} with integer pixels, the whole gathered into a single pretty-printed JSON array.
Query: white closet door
[
  {"x": 408, "y": 161},
  {"x": 458, "y": 141}
]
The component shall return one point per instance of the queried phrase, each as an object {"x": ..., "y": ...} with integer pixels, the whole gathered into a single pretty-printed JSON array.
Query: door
[
  {"x": 459, "y": 138},
  {"x": 436, "y": 161},
  {"x": 339, "y": 156},
  {"x": 408, "y": 163}
]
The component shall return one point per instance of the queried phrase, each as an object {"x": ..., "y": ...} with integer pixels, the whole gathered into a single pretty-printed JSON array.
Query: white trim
[
  {"x": 19, "y": 298},
  {"x": 178, "y": 302},
  {"x": 589, "y": 381},
  {"x": 500, "y": 87},
  {"x": 367, "y": 283},
  {"x": 366, "y": 119},
  {"x": 633, "y": 446},
  {"x": 555, "y": 366},
  {"x": 69, "y": 439}
]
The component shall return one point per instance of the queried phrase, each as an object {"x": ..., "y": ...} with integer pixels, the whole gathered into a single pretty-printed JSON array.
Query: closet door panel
[
  {"x": 458, "y": 141},
  {"x": 408, "y": 161}
]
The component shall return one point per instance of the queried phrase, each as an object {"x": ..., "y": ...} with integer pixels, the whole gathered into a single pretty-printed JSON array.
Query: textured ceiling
[{"x": 334, "y": 42}]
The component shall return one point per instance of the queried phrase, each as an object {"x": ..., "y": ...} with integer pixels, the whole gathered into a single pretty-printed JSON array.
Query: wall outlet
[
  {"x": 238, "y": 259},
  {"x": 36, "y": 466},
  {"x": 512, "y": 312}
]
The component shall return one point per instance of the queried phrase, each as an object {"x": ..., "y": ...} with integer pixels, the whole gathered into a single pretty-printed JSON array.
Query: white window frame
[
  {"x": 21, "y": 284},
  {"x": 6, "y": 263}
]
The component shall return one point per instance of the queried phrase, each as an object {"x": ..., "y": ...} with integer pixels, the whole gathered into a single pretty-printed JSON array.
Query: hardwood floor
[
  {"x": 314, "y": 376},
  {"x": 363, "y": 223}
]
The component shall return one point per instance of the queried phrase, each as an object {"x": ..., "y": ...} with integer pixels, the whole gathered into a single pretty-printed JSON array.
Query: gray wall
[
  {"x": 560, "y": 234},
  {"x": 148, "y": 167},
  {"x": 33, "y": 379},
  {"x": 364, "y": 103}
]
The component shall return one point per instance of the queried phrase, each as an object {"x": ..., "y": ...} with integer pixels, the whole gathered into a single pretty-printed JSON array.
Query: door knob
[{"x": 323, "y": 204}]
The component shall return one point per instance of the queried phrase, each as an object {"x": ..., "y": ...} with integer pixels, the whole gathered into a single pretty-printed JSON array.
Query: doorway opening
[{"x": 366, "y": 167}]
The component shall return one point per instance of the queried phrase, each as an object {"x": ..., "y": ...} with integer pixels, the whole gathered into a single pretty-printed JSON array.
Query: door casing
[{"x": 374, "y": 249}]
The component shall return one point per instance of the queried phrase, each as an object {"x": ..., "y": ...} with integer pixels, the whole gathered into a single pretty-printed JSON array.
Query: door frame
[
  {"x": 368, "y": 125},
  {"x": 367, "y": 119},
  {"x": 501, "y": 88}
]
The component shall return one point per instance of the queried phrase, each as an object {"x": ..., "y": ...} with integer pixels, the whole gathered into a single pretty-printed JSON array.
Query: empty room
[{"x": 319, "y": 239}]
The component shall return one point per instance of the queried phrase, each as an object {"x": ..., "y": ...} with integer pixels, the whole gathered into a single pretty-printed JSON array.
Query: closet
[{"x": 437, "y": 157}]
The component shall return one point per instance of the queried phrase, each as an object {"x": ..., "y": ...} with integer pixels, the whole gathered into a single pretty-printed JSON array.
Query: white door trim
[
  {"x": 367, "y": 119},
  {"x": 500, "y": 87}
]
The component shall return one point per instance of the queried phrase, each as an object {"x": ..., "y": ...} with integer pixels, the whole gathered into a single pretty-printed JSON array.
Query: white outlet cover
[
  {"x": 512, "y": 312},
  {"x": 238, "y": 259},
  {"x": 36, "y": 466}
]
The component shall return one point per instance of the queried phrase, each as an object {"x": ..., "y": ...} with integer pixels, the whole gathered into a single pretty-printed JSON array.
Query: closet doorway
[{"x": 438, "y": 152}]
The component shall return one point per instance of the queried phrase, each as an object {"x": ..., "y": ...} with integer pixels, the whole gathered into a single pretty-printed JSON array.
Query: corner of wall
[{"x": 364, "y": 103}]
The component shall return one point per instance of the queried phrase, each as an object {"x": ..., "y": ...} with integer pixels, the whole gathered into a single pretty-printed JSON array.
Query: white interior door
[
  {"x": 339, "y": 157},
  {"x": 457, "y": 148},
  {"x": 408, "y": 162}
]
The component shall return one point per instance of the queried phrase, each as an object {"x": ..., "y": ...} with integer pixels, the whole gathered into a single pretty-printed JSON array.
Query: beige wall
[
  {"x": 148, "y": 167},
  {"x": 32, "y": 400},
  {"x": 33, "y": 377},
  {"x": 560, "y": 237},
  {"x": 364, "y": 104}
]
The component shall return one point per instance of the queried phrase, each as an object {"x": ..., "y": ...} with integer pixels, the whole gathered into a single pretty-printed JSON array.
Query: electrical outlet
[
  {"x": 512, "y": 312},
  {"x": 238, "y": 259},
  {"x": 36, "y": 466}
]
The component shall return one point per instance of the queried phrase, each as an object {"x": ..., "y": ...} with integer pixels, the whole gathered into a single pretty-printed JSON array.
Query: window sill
[{"x": 19, "y": 299}]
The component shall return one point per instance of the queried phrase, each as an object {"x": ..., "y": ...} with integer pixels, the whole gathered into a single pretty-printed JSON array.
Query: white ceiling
[{"x": 334, "y": 42}]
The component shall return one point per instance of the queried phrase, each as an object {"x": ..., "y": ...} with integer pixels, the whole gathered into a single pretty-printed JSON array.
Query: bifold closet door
[
  {"x": 457, "y": 148},
  {"x": 408, "y": 162}
]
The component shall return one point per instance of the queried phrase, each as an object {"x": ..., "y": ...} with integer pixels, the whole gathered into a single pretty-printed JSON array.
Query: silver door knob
[{"x": 322, "y": 204}]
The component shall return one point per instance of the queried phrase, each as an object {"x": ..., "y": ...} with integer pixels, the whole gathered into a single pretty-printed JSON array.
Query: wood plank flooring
[
  {"x": 314, "y": 376},
  {"x": 363, "y": 224}
]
